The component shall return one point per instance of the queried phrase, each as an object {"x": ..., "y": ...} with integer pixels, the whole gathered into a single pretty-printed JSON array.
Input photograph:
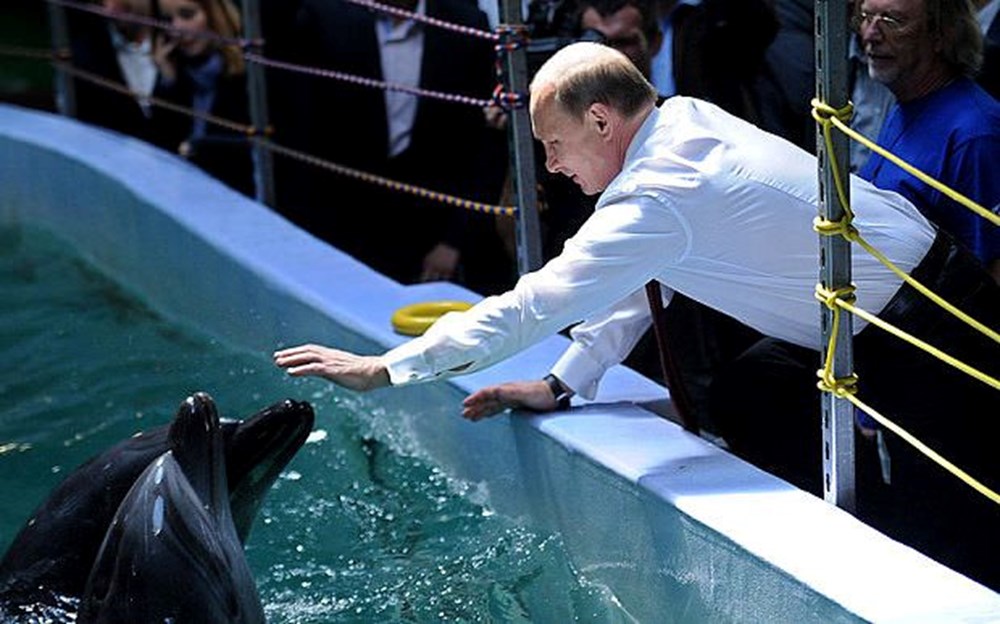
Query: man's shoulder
[{"x": 959, "y": 112}]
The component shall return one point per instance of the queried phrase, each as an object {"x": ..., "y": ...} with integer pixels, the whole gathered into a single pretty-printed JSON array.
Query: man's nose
[
  {"x": 870, "y": 31},
  {"x": 550, "y": 162}
]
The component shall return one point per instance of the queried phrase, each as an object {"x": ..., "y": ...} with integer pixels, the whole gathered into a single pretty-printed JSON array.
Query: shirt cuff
[
  {"x": 579, "y": 371},
  {"x": 407, "y": 364}
]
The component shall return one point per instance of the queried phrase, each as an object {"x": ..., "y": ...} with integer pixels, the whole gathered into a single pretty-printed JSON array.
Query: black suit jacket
[
  {"x": 451, "y": 149},
  {"x": 221, "y": 152},
  {"x": 92, "y": 51}
]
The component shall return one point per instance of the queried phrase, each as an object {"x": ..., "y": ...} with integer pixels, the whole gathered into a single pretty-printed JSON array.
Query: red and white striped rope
[
  {"x": 432, "y": 21},
  {"x": 367, "y": 82}
]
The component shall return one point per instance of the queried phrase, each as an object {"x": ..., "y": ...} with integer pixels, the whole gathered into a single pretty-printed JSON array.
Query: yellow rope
[
  {"x": 843, "y": 298},
  {"x": 980, "y": 327},
  {"x": 841, "y": 125},
  {"x": 923, "y": 448},
  {"x": 824, "y": 114},
  {"x": 835, "y": 302}
]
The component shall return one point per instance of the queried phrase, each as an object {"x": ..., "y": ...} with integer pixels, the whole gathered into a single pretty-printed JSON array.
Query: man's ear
[{"x": 599, "y": 115}]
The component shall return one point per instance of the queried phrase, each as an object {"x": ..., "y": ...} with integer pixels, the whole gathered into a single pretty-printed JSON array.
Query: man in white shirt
[{"x": 706, "y": 204}]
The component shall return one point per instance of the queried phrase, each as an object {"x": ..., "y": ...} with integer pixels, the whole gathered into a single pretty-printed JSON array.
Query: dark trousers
[{"x": 767, "y": 407}]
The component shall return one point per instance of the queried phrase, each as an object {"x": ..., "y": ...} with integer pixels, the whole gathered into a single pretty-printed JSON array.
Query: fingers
[
  {"x": 356, "y": 372},
  {"x": 297, "y": 356},
  {"x": 482, "y": 405}
]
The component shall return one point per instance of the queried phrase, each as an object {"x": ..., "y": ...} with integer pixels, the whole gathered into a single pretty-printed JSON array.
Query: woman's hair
[
  {"x": 956, "y": 26},
  {"x": 224, "y": 20},
  {"x": 586, "y": 73}
]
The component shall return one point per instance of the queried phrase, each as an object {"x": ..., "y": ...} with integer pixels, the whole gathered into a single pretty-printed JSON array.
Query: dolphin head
[
  {"x": 54, "y": 551},
  {"x": 257, "y": 451}
]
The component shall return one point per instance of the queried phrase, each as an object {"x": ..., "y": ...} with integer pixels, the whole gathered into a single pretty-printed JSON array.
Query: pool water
[{"x": 361, "y": 526}]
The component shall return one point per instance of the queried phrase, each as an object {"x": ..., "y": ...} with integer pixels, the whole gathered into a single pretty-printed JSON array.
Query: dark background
[{"x": 25, "y": 81}]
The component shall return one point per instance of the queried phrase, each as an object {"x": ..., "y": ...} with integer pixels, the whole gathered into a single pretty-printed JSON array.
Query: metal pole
[
  {"x": 835, "y": 253},
  {"x": 65, "y": 95},
  {"x": 522, "y": 149},
  {"x": 263, "y": 164}
]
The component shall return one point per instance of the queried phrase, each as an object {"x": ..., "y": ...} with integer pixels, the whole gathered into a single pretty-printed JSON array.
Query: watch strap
[{"x": 559, "y": 391}]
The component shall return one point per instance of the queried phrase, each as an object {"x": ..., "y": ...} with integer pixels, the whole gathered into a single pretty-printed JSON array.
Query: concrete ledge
[{"x": 674, "y": 527}]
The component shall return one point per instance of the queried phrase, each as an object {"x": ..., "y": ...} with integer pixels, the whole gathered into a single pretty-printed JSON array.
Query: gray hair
[{"x": 585, "y": 73}]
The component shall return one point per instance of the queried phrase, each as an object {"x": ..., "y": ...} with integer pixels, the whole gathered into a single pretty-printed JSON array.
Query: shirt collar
[
  {"x": 120, "y": 43},
  {"x": 403, "y": 29},
  {"x": 643, "y": 133}
]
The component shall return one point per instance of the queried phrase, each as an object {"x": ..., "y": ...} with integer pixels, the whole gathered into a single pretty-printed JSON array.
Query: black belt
[{"x": 952, "y": 272}]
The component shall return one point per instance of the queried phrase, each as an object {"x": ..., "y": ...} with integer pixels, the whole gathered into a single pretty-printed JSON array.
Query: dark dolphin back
[
  {"x": 54, "y": 551},
  {"x": 165, "y": 559},
  {"x": 172, "y": 553}
]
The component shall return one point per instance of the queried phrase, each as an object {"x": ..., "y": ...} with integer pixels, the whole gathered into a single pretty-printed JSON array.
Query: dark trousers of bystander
[{"x": 767, "y": 407}]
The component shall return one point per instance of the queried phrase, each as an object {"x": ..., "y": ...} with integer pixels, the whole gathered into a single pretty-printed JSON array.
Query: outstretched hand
[
  {"x": 534, "y": 395},
  {"x": 356, "y": 372}
]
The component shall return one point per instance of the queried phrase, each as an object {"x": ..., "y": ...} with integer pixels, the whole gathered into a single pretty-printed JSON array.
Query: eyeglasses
[{"x": 888, "y": 24}]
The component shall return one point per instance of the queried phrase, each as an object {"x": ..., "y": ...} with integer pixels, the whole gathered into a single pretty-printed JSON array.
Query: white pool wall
[{"x": 676, "y": 529}]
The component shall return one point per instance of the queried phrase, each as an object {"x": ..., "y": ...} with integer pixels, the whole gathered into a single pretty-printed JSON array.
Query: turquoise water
[{"x": 361, "y": 527}]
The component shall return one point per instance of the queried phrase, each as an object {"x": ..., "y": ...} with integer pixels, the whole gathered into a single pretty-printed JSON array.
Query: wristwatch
[{"x": 559, "y": 391}]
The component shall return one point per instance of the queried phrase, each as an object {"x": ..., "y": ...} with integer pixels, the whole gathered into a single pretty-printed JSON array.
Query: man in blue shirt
[{"x": 944, "y": 124}]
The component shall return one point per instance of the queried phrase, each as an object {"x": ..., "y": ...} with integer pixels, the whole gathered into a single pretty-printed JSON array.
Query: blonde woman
[{"x": 201, "y": 68}]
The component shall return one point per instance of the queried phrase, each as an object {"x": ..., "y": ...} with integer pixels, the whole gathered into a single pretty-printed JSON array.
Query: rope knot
[
  {"x": 839, "y": 387},
  {"x": 843, "y": 227},
  {"x": 830, "y": 297},
  {"x": 824, "y": 113},
  {"x": 507, "y": 100}
]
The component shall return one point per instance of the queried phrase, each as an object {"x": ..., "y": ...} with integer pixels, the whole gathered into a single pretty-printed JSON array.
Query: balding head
[
  {"x": 585, "y": 73},
  {"x": 587, "y": 103}
]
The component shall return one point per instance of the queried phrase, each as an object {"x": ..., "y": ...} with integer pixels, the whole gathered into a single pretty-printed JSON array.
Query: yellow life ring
[{"x": 414, "y": 319}]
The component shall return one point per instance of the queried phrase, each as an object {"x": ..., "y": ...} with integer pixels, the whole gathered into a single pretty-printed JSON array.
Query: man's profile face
[
  {"x": 573, "y": 147},
  {"x": 895, "y": 37},
  {"x": 622, "y": 31}
]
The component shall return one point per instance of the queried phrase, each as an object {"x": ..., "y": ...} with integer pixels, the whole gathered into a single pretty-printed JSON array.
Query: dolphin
[
  {"x": 50, "y": 559},
  {"x": 172, "y": 553}
]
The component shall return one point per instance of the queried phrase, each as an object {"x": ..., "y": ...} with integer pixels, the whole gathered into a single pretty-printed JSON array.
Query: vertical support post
[
  {"x": 835, "y": 253},
  {"x": 529, "y": 239},
  {"x": 263, "y": 163},
  {"x": 65, "y": 94}
]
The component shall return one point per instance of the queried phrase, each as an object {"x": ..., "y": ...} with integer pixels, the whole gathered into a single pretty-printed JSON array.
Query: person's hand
[
  {"x": 356, "y": 372},
  {"x": 495, "y": 116},
  {"x": 534, "y": 395},
  {"x": 440, "y": 263},
  {"x": 163, "y": 46}
]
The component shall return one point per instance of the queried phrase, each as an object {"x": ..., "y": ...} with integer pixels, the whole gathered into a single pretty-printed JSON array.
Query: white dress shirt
[
  {"x": 708, "y": 205},
  {"x": 401, "y": 49},
  {"x": 138, "y": 68}
]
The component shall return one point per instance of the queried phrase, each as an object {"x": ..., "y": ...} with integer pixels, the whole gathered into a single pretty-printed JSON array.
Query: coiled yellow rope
[{"x": 843, "y": 298}]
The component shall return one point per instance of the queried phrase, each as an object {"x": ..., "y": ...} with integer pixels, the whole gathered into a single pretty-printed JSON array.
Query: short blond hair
[{"x": 585, "y": 73}]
